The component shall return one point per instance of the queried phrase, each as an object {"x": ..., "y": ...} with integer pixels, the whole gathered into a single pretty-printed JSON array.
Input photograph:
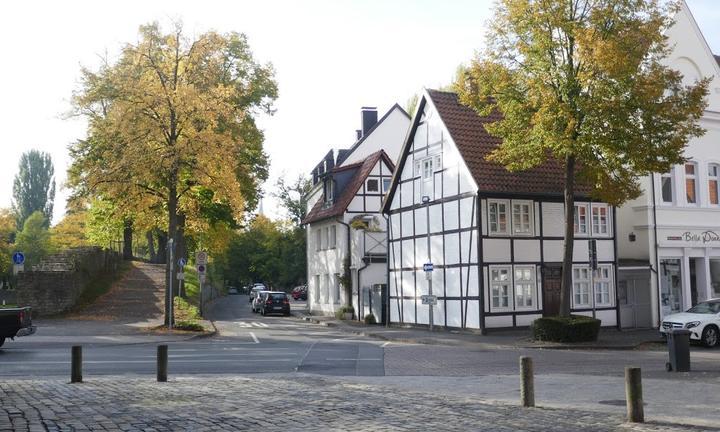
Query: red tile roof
[
  {"x": 363, "y": 169},
  {"x": 467, "y": 130}
]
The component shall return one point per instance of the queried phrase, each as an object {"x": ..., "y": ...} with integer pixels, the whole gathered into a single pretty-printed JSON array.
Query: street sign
[
  {"x": 428, "y": 267},
  {"x": 201, "y": 277},
  {"x": 17, "y": 268},
  {"x": 429, "y": 299},
  {"x": 182, "y": 262},
  {"x": 18, "y": 258},
  {"x": 181, "y": 276},
  {"x": 592, "y": 254},
  {"x": 201, "y": 269},
  {"x": 201, "y": 258}
]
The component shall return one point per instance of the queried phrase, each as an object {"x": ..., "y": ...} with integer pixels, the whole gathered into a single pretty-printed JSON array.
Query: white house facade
[
  {"x": 669, "y": 237},
  {"x": 495, "y": 238},
  {"x": 346, "y": 232}
]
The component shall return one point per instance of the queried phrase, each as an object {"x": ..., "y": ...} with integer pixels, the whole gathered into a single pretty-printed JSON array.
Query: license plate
[{"x": 277, "y": 308}]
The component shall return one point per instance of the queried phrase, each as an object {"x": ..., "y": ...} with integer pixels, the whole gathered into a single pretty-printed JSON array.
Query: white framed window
[
  {"x": 386, "y": 184},
  {"x": 603, "y": 286},
  {"x": 713, "y": 183},
  {"x": 333, "y": 237},
  {"x": 581, "y": 219},
  {"x": 522, "y": 216},
  {"x": 326, "y": 238},
  {"x": 581, "y": 287},
  {"x": 425, "y": 168},
  {"x": 372, "y": 185},
  {"x": 691, "y": 183},
  {"x": 329, "y": 191},
  {"x": 500, "y": 284},
  {"x": 316, "y": 289},
  {"x": 498, "y": 217},
  {"x": 326, "y": 289},
  {"x": 524, "y": 283},
  {"x": 318, "y": 240},
  {"x": 667, "y": 187},
  {"x": 336, "y": 288},
  {"x": 600, "y": 219}
]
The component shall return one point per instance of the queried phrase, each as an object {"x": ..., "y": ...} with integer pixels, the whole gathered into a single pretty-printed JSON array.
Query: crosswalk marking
[{"x": 251, "y": 324}]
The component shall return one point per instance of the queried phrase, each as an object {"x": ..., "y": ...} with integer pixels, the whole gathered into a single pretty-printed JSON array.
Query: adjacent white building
[
  {"x": 669, "y": 238},
  {"x": 346, "y": 233},
  {"x": 495, "y": 237}
]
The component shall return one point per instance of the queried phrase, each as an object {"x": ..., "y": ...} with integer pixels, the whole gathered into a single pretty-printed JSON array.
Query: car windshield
[
  {"x": 705, "y": 308},
  {"x": 278, "y": 296}
]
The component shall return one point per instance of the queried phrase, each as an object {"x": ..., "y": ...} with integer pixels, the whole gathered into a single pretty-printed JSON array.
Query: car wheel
[{"x": 710, "y": 336}]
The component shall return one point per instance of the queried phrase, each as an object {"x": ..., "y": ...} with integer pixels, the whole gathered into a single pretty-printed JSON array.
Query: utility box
[{"x": 678, "y": 342}]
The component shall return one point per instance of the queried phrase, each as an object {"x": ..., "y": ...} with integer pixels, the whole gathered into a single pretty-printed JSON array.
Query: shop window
[
  {"x": 497, "y": 217},
  {"x": 372, "y": 185},
  {"x": 671, "y": 298},
  {"x": 581, "y": 219},
  {"x": 666, "y": 187},
  {"x": 691, "y": 183},
  {"x": 522, "y": 218},
  {"x": 524, "y": 287},
  {"x": 713, "y": 178},
  {"x": 715, "y": 277},
  {"x": 603, "y": 284},
  {"x": 600, "y": 219},
  {"x": 500, "y": 287},
  {"x": 581, "y": 286}
]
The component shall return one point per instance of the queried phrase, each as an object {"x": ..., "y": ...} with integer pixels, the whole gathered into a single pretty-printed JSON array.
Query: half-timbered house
[{"x": 495, "y": 238}]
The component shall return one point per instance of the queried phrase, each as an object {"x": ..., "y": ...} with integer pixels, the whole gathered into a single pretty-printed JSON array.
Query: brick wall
[{"x": 54, "y": 285}]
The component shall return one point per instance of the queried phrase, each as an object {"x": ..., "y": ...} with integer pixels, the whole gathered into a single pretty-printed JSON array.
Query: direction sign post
[
  {"x": 201, "y": 262},
  {"x": 592, "y": 258},
  {"x": 18, "y": 259},
  {"x": 429, "y": 299}
]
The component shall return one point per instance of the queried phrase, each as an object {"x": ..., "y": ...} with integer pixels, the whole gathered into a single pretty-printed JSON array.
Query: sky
[{"x": 331, "y": 58}]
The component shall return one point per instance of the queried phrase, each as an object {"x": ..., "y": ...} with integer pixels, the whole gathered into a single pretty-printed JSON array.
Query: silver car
[{"x": 259, "y": 300}]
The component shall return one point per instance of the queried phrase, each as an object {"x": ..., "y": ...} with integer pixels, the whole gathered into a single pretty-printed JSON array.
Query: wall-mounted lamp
[
  {"x": 425, "y": 199},
  {"x": 631, "y": 236}
]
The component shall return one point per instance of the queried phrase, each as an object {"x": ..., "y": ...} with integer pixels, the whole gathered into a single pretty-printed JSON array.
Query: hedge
[{"x": 575, "y": 328}]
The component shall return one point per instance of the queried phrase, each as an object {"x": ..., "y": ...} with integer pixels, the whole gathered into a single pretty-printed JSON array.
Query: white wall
[{"x": 388, "y": 135}]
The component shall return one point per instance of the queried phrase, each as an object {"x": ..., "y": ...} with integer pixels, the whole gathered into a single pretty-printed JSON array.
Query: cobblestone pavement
[{"x": 281, "y": 403}]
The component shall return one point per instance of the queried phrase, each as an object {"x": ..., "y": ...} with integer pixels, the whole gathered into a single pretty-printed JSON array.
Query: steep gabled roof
[
  {"x": 467, "y": 130},
  {"x": 362, "y": 171},
  {"x": 344, "y": 154}
]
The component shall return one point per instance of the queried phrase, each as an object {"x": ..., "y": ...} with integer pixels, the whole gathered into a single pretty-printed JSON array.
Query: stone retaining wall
[{"x": 54, "y": 285}]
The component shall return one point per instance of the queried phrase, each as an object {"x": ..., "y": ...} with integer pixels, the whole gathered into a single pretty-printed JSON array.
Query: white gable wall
[{"x": 388, "y": 136}]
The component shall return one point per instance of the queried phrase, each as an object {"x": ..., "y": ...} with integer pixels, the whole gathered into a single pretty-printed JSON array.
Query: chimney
[
  {"x": 369, "y": 119},
  {"x": 358, "y": 134}
]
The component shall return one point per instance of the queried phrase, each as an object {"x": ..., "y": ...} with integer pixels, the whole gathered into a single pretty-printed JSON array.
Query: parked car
[
  {"x": 299, "y": 292},
  {"x": 274, "y": 302},
  {"x": 258, "y": 300},
  {"x": 703, "y": 321},
  {"x": 254, "y": 291},
  {"x": 232, "y": 291},
  {"x": 15, "y": 322}
]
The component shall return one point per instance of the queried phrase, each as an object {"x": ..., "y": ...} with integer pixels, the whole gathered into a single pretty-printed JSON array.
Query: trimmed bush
[
  {"x": 340, "y": 313},
  {"x": 370, "y": 319},
  {"x": 575, "y": 328}
]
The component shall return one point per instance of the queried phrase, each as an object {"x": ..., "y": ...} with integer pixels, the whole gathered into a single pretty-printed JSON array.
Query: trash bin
[{"x": 678, "y": 342}]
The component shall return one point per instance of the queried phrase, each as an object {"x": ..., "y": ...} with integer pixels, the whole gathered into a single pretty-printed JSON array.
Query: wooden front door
[{"x": 552, "y": 278}]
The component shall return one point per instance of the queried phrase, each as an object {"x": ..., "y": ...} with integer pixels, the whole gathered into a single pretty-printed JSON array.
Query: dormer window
[
  {"x": 372, "y": 185},
  {"x": 329, "y": 191}
]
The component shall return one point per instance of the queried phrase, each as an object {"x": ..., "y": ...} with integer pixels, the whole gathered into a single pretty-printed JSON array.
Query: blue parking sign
[{"x": 18, "y": 258}]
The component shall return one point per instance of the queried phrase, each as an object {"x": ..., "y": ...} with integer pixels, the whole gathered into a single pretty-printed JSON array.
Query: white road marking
[
  {"x": 254, "y": 338},
  {"x": 385, "y": 344},
  {"x": 259, "y": 324},
  {"x": 353, "y": 359},
  {"x": 148, "y": 361}
]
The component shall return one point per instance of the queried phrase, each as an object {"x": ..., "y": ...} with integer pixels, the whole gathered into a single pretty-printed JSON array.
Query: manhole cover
[{"x": 614, "y": 402}]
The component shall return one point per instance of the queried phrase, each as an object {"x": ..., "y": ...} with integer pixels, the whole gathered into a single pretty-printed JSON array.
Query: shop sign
[{"x": 705, "y": 237}]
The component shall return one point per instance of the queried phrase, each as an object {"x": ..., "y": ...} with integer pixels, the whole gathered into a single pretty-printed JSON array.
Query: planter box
[{"x": 347, "y": 316}]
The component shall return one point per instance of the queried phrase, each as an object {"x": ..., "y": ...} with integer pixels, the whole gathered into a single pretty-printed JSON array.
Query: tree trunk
[
  {"x": 151, "y": 246},
  {"x": 566, "y": 285},
  {"x": 180, "y": 250},
  {"x": 171, "y": 244},
  {"x": 162, "y": 247},
  {"x": 127, "y": 239}
]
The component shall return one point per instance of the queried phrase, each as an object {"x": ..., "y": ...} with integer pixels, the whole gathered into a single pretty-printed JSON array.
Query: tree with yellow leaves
[{"x": 170, "y": 120}]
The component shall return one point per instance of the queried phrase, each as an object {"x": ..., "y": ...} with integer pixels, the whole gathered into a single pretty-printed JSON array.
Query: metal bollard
[
  {"x": 162, "y": 363},
  {"x": 76, "y": 364},
  {"x": 527, "y": 384},
  {"x": 633, "y": 395}
]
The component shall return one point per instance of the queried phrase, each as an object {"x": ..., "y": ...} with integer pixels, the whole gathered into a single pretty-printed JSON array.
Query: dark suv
[{"x": 276, "y": 302}]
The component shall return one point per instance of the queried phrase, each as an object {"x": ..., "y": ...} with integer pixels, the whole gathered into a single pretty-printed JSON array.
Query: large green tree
[
  {"x": 174, "y": 116},
  {"x": 34, "y": 239},
  {"x": 293, "y": 197},
  {"x": 34, "y": 186},
  {"x": 583, "y": 82}
]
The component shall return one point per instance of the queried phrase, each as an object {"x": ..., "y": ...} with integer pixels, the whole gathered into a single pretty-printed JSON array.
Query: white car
[{"x": 703, "y": 321}]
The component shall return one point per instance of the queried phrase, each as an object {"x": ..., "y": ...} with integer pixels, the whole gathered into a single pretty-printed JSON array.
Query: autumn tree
[
  {"x": 173, "y": 117},
  {"x": 34, "y": 239},
  {"x": 293, "y": 196},
  {"x": 583, "y": 82},
  {"x": 8, "y": 230},
  {"x": 34, "y": 186}
]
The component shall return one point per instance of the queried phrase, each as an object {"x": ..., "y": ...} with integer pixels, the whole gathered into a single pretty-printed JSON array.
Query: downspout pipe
[{"x": 348, "y": 299}]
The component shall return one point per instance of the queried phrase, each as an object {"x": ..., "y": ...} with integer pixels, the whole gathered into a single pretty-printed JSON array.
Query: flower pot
[{"x": 347, "y": 316}]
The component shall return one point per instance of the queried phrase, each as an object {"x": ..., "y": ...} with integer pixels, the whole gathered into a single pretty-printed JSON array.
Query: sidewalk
[{"x": 609, "y": 339}]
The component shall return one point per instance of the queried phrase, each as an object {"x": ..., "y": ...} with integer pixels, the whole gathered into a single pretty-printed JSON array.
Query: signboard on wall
[{"x": 707, "y": 238}]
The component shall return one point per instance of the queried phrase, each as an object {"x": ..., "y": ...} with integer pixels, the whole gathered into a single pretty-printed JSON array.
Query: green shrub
[
  {"x": 370, "y": 319},
  {"x": 189, "y": 326},
  {"x": 575, "y": 328},
  {"x": 340, "y": 313}
]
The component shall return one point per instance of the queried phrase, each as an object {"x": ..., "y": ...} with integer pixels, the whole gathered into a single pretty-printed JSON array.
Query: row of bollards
[
  {"x": 76, "y": 364},
  {"x": 633, "y": 390}
]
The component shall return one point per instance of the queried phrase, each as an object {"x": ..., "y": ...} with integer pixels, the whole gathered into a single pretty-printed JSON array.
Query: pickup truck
[{"x": 15, "y": 322}]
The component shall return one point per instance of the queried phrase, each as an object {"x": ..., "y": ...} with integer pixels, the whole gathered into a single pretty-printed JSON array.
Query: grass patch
[
  {"x": 7, "y": 306},
  {"x": 192, "y": 286},
  {"x": 101, "y": 285},
  {"x": 187, "y": 316}
]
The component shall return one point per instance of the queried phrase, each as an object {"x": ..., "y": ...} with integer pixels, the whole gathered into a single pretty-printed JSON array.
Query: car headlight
[{"x": 692, "y": 324}]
